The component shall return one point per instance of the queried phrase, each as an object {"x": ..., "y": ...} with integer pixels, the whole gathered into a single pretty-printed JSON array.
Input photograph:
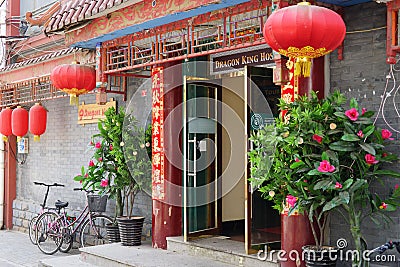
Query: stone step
[
  {"x": 143, "y": 256},
  {"x": 64, "y": 262},
  {"x": 220, "y": 249}
]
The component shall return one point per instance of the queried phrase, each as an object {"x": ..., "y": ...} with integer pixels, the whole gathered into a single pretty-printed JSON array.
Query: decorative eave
[{"x": 44, "y": 18}]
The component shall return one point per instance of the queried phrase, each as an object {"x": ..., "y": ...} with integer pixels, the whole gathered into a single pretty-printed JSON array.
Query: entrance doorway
[
  {"x": 219, "y": 115},
  {"x": 202, "y": 205}
]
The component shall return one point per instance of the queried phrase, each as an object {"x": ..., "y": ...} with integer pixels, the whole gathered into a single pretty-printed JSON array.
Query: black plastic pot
[
  {"x": 326, "y": 256},
  {"x": 113, "y": 233},
  {"x": 130, "y": 230}
]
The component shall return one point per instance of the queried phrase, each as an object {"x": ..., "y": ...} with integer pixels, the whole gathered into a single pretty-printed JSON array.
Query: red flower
[
  {"x": 98, "y": 145},
  {"x": 370, "y": 159},
  {"x": 384, "y": 154},
  {"x": 317, "y": 138},
  {"x": 291, "y": 200},
  {"x": 325, "y": 166},
  {"x": 352, "y": 114},
  {"x": 104, "y": 183},
  {"x": 91, "y": 163},
  {"x": 386, "y": 134},
  {"x": 296, "y": 159},
  {"x": 363, "y": 110},
  {"x": 396, "y": 186},
  {"x": 338, "y": 185},
  {"x": 360, "y": 134},
  {"x": 111, "y": 147},
  {"x": 100, "y": 159},
  {"x": 383, "y": 206},
  {"x": 86, "y": 175}
]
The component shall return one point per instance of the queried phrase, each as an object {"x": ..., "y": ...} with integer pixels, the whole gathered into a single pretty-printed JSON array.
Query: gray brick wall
[
  {"x": 58, "y": 157},
  {"x": 362, "y": 74}
]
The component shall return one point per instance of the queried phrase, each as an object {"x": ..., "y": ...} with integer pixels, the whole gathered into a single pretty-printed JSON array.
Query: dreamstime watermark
[{"x": 331, "y": 254}]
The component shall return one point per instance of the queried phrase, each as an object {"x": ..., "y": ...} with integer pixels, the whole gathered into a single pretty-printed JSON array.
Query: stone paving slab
[{"x": 17, "y": 250}]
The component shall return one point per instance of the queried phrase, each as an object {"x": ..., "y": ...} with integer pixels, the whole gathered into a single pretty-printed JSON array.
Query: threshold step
[
  {"x": 66, "y": 261},
  {"x": 143, "y": 256}
]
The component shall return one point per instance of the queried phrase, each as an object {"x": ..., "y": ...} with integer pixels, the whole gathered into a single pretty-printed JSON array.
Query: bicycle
[
  {"x": 55, "y": 229},
  {"x": 32, "y": 222}
]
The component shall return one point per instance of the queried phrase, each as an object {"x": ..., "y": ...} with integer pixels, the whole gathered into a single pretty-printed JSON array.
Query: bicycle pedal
[{"x": 41, "y": 239}]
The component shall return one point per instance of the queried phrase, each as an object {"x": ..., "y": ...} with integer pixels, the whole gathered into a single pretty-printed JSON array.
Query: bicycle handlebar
[
  {"x": 82, "y": 189},
  {"x": 49, "y": 185},
  {"x": 386, "y": 246}
]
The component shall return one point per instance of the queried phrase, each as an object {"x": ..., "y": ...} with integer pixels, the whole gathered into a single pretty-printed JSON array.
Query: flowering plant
[
  {"x": 324, "y": 157},
  {"x": 107, "y": 171}
]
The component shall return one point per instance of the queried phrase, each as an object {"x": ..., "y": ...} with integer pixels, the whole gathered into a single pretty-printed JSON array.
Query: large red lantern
[
  {"x": 5, "y": 123},
  {"x": 19, "y": 122},
  {"x": 74, "y": 79},
  {"x": 37, "y": 121},
  {"x": 304, "y": 32}
]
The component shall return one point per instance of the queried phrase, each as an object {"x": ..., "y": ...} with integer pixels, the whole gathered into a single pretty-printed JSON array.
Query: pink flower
[
  {"x": 104, "y": 183},
  {"x": 111, "y": 147},
  {"x": 338, "y": 185},
  {"x": 305, "y": 180},
  {"x": 396, "y": 186},
  {"x": 91, "y": 163},
  {"x": 352, "y": 114},
  {"x": 384, "y": 154},
  {"x": 80, "y": 181},
  {"x": 98, "y": 145},
  {"x": 363, "y": 110},
  {"x": 86, "y": 175},
  {"x": 100, "y": 159},
  {"x": 325, "y": 166},
  {"x": 291, "y": 200},
  {"x": 383, "y": 206},
  {"x": 370, "y": 159},
  {"x": 296, "y": 159},
  {"x": 360, "y": 134},
  {"x": 317, "y": 138},
  {"x": 386, "y": 134}
]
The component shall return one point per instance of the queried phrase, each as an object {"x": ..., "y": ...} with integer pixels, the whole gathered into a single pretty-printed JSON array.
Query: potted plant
[
  {"x": 137, "y": 156},
  {"x": 326, "y": 157},
  {"x": 107, "y": 171}
]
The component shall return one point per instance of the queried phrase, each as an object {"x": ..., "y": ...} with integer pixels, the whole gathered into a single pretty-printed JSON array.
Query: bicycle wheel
[
  {"x": 32, "y": 229},
  {"x": 68, "y": 240},
  {"x": 94, "y": 232},
  {"x": 49, "y": 232}
]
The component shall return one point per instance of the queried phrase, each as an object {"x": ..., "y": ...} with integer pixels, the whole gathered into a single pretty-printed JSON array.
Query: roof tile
[{"x": 75, "y": 11}]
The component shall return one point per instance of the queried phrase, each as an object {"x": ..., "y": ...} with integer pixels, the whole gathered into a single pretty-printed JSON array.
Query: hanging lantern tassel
[
  {"x": 73, "y": 100},
  {"x": 302, "y": 67}
]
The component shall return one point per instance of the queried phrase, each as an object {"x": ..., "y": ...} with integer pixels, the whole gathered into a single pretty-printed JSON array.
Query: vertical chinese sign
[
  {"x": 290, "y": 90},
  {"x": 158, "y": 133}
]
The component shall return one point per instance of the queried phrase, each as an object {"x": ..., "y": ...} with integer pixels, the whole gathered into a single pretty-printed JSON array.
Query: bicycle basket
[{"x": 97, "y": 203}]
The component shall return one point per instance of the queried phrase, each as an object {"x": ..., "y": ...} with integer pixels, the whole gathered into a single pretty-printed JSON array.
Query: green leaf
[
  {"x": 342, "y": 146},
  {"x": 323, "y": 184},
  {"x": 387, "y": 173},
  {"x": 368, "y": 130},
  {"x": 353, "y": 103},
  {"x": 340, "y": 115},
  {"x": 296, "y": 165},
  {"x": 314, "y": 172},
  {"x": 350, "y": 137},
  {"x": 368, "y": 148},
  {"x": 325, "y": 156}
]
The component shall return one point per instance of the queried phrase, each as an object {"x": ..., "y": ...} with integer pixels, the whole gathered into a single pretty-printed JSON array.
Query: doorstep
[{"x": 219, "y": 248}]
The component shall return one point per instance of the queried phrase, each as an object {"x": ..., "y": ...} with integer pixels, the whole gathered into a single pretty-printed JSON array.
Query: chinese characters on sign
[
  {"x": 290, "y": 90},
  {"x": 158, "y": 134}
]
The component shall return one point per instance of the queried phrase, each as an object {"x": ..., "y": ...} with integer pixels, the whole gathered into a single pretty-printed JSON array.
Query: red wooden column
[
  {"x": 316, "y": 81},
  {"x": 167, "y": 178},
  {"x": 9, "y": 180}
]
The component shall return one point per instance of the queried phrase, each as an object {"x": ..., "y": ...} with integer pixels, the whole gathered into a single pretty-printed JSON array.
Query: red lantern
[
  {"x": 304, "y": 32},
  {"x": 5, "y": 123},
  {"x": 74, "y": 79},
  {"x": 19, "y": 122},
  {"x": 37, "y": 121}
]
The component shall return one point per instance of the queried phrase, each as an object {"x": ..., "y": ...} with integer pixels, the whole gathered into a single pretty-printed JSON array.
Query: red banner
[
  {"x": 158, "y": 133},
  {"x": 290, "y": 90}
]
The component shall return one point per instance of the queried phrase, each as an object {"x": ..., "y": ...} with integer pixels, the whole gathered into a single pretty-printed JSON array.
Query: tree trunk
[{"x": 119, "y": 209}]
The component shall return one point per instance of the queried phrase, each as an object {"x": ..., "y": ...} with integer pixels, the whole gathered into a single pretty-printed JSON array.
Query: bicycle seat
[{"x": 59, "y": 204}]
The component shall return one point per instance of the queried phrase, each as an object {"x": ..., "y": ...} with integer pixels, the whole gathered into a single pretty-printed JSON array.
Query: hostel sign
[
  {"x": 91, "y": 113},
  {"x": 158, "y": 188},
  {"x": 237, "y": 60}
]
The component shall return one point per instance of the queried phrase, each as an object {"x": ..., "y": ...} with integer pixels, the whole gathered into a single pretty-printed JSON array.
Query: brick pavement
[{"x": 17, "y": 250}]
